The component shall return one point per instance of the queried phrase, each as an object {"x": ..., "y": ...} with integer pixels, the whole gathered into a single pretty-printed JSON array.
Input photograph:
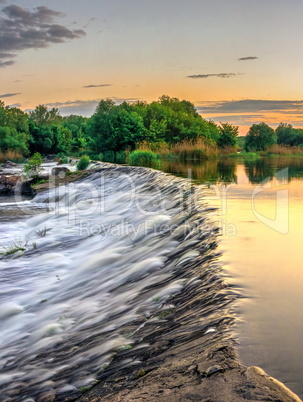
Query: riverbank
[{"x": 164, "y": 332}]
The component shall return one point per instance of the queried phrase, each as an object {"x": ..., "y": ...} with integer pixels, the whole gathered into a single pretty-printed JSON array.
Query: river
[
  {"x": 260, "y": 213},
  {"x": 90, "y": 271}
]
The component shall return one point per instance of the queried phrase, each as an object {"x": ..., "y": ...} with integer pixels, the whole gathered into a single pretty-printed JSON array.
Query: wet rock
[
  {"x": 14, "y": 184},
  {"x": 213, "y": 370},
  {"x": 9, "y": 165},
  {"x": 49, "y": 396},
  {"x": 8, "y": 183},
  {"x": 56, "y": 171}
]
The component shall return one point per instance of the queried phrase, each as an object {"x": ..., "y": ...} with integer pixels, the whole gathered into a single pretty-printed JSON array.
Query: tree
[
  {"x": 228, "y": 135},
  {"x": 14, "y": 129},
  {"x": 260, "y": 137},
  {"x": 42, "y": 116},
  {"x": 287, "y": 135},
  {"x": 33, "y": 167}
]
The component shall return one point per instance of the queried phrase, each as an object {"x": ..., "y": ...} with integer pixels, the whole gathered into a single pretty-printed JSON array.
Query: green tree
[
  {"x": 287, "y": 135},
  {"x": 228, "y": 135},
  {"x": 33, "y": 167},
  {"x": 14, "y": 129},
  {"x": 43, "y": 116},
  {"x": 260, "y": 137}
]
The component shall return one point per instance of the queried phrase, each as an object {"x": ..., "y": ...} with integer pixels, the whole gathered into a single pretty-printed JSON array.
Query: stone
[
  {"x": 56, "y": 171},
  {"x": 213, "y": 370},
  {"x": 9, "y": 164}
]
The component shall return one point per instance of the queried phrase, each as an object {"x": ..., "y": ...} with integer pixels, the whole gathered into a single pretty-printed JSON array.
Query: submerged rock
[{"x": 58, "y": 170}]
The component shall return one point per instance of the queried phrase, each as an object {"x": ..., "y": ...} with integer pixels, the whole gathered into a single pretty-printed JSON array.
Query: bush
[
  {"x": 62, "y": 159},
  {"x": 33, "y": 167},
  {"x": 144, "y": 158},
  {"x": 83, "y": 163}
]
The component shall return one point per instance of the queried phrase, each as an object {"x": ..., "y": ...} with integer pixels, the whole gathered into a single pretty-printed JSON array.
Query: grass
[
  {"x": 194, "y": 150},
  {"x": 11, "y": 155},
  {"x": 283, "y": 150},
  {"x": 144, "y": 158},
  {"x": 140, "y": 373},
  {"x": 197, "y": 150},
  {"x": 245, "y": 155},
  {"x": 165, "y": 313}
]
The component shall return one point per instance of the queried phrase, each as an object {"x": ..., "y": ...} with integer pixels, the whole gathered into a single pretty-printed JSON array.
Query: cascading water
[{"x": 93, "y": 272}]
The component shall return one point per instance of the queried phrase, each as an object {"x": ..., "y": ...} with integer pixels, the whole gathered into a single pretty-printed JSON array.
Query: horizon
[{"x": 70, "y": 56}]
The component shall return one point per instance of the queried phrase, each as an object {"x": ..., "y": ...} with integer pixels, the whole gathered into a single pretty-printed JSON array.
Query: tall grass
[
  {"x": 11, "y": 155},
  {"x": 185, "y": 150},
  {"x": 144, "y": 158},
  {"x": 160, "y": 147},
  {"x": 282, "y": 150}
]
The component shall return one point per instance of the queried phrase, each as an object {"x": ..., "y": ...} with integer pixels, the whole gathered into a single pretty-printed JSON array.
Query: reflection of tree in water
[
  {"x": 227, "y": 170},
  {"x": 259, "y": 170},
  {"x": 266, "y": 168},
  {"x": 210, "y": 171}
]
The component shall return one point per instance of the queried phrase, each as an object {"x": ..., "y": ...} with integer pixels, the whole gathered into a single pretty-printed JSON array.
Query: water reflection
[
  {"x": 265, "y": 262},
  {"x": 223, "y": 170},
  {"x": 211, "y": 171}
]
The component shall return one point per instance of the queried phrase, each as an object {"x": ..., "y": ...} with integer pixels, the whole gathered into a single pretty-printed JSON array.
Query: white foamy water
[{"x": 81, "y": 273}]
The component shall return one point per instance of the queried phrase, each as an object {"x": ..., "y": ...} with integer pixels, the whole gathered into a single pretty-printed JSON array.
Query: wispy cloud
[
  {"x": 97, "y": 86},
  {"x": 248, "y": 58},
  {"x": 221, "y": 75},
  {"x": 9, "y": 95},
  {"x": 252, "y": 106},
  {"x": 84, "y": 107},
  {"x": 21, "y": 29}
]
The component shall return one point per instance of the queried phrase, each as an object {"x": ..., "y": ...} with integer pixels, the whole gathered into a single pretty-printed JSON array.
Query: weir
[{"x": 108, "y": 281}]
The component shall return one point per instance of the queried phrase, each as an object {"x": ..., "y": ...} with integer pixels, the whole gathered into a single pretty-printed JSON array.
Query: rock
[
  {"x": 8, "y": 183},
  {"x": 213, "y": 370},
  {"x": 56, "y": 171},
  {"x": 14, "y": 184},
  {"x": 49, "y": 396},
  {"x": 9, "y": 164}
]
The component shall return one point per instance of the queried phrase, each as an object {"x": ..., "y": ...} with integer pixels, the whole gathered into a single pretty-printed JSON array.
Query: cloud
[
  {"x": 9, "y": 95},
  {"x": 248, "y": 58},
  {"x": 222, "y": 75},
  {"x": 84, "y": 107},
  {"x": 97, "y": 86},
  {"x": 21, "y": 29},
  {"x": 252, "y": 106}
]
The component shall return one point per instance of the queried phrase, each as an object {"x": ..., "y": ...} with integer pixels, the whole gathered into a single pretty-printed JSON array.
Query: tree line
[{"x": 117, "y": 128}]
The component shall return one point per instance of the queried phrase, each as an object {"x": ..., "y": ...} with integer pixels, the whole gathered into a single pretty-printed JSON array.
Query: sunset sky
[{"x": 239, "y": 61}]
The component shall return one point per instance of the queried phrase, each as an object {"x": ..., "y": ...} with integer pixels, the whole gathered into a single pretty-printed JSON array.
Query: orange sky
[{"x": 237, "y": 61}]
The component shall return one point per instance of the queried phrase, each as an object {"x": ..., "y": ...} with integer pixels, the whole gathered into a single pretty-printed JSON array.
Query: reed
[
  {"x": 186, "y": 150},
  {"x": 11, "y": 155},
  {"x": 194, "y": 150},
  {"x": 282, "y": 150}
]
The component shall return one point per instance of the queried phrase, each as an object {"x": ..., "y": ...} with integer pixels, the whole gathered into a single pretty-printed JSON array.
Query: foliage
[
  {"x": 287, "y": 135},
  {"x": 228, "y": 135},
  {"x": 33, "y": 167},
  {"x": 169, "y": 126},
  {"x": 83, "y": 163},
  {"x": 259, "y": 137},
  {"x": 144, "y": 158}
]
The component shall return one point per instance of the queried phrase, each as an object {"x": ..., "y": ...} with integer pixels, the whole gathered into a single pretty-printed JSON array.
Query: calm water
[{"x": 261, "y": 219}]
